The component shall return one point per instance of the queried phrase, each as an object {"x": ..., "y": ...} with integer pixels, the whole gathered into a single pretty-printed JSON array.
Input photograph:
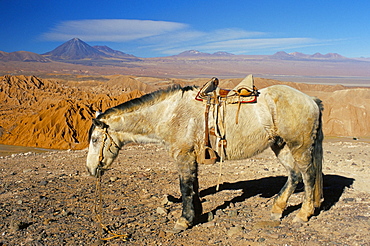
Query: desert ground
[{"x": 49, "y": 199}]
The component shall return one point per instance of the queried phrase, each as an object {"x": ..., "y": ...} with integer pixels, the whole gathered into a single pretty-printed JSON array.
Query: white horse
[{"x": 283, "y": 118}]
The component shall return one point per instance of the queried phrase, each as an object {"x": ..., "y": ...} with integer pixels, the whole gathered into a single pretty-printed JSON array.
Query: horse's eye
[{"x": 94, "y": 140}]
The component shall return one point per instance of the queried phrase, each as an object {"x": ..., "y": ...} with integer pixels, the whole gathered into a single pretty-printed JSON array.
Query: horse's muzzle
[{"x": 97, "y": 173}]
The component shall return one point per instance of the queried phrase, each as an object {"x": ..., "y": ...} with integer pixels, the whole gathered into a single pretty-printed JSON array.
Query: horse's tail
[{"x": 317, "y": 158}]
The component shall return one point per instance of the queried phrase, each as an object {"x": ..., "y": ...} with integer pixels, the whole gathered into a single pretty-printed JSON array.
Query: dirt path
[{"x": 47, "y": 199}]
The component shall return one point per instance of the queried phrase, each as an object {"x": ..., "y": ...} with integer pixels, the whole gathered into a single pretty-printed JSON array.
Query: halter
[{"x": 112, "y": 142}]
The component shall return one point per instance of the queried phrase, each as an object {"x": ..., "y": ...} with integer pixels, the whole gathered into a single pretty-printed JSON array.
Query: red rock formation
[
  {"x": 41, "y": 113},
  {"x": 347, "y": 112},
  {"x": 47, "y": 114}
]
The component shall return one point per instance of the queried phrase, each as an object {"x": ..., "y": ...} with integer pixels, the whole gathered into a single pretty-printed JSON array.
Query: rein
[
  {"x": 98, "y": 192},
  {"x": 99, "y": 214},
  {"x": 220, "y": 132}
]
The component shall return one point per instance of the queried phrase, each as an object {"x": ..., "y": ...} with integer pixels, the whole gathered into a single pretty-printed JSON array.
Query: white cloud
[
  {"x": 243, "y": 45},
  {"x": 111, "y": 30},
  {"x": 168, "y": 38},
  {"x": 225, "y": 40}
]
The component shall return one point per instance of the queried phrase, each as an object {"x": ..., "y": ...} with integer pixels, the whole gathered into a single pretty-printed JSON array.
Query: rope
[
  {"x": 99, "y": 214},
  {"x": 220, "y": 168},
  {"x": 98, "y": 192},
  {"x": 221, "y": 108}
]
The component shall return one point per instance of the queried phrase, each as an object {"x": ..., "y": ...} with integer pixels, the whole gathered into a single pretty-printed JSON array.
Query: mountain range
[
  {"x": 77, "y": 50},
  {"x": 22, "y": 56},
  {"x": 78, "y": 57},
  {"x": 300, "y": 56},
  {"x": 282, "y": 55},
  {"x": 194, "y": 53}
]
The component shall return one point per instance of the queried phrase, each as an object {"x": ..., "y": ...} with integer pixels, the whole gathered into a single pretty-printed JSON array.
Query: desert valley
[{"x": 48, "y": 102}]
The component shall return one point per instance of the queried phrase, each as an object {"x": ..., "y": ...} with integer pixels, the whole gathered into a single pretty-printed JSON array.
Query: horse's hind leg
[
  {"x": 189, "y": 186},
  {"x": 284, "y": 155},
  {"x": 308, "y": 208},
  {"x": 298, "y": 162}
]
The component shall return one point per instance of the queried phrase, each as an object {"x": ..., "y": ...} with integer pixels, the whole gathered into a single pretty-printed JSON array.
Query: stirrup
[{"x": 207, "y": 156}]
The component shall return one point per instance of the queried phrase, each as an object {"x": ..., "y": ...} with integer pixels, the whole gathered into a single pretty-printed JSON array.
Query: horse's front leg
[{"x": 189, "y": 186}]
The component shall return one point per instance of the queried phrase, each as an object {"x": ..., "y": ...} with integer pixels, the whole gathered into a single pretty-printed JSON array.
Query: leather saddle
[
  {"x": 244, "y": 92},
  {"x": 212, "y": 95}
]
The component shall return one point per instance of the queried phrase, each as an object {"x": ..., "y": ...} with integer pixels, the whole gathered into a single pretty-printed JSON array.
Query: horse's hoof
[
  {"x": 181, "y": 225},
  {"x": 299, "y": 220},
  {"x": 275, "y": 216}
]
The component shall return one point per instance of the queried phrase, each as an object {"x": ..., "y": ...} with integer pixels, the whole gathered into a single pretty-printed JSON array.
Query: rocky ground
[{"x": 48, "y": 199}]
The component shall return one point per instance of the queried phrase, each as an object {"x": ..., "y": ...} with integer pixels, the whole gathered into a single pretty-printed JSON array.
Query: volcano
[{"x": 75, "y": 49}]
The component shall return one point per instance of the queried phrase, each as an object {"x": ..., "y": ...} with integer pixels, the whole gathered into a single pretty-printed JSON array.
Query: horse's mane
[{"x": 145, "y": 100}]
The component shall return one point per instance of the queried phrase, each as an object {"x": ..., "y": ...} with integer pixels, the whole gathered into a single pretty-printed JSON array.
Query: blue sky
[{"x": 151, "y": 28}]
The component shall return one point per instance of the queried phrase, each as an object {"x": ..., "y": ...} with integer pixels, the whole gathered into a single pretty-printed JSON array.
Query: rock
[
  {"x": 260, "y": 240},
  {"x": 18, "y": 225},
  {"x": 63, "y": 213},
  {"x": 210, "y": 216},
  {"x": 232, "y": 213},
  {"x": 153, "y": 218},
  {"x": 162, "y": 211},
  {"x": 166, "y": 201},
  {"x": 47, "y": 221},
  {"x": 161, "y": 234},
  {"x": 234, "y": 231},
  {"x": 266, "y": 224},
  {"x": 351, "y": 199},
  {"x": 144, "y": 194},
  {"x": 220, "y": 212},
  {"x": 118, "y": 211},
  {"x": 174, "y": 213},
  {"x": 113, "y": 179},
  {"x": 209, "y": 224},
  {"x": 269, "y": 234}
]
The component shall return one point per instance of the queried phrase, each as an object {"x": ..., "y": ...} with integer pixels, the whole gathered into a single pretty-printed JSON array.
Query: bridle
[{"x": 106, "y": 135}]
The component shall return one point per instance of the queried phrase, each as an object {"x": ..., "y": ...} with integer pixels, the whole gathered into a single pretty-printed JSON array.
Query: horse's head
[{"x": 103, "y": 148}]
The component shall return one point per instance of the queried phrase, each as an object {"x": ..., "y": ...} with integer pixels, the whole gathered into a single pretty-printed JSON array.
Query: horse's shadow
[{"x": 334, "y": 186}]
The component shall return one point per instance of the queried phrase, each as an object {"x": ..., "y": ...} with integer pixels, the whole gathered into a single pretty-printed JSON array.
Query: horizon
[
  {"x": 165, "y": 28},
  {"x": 181, "y": 52}
]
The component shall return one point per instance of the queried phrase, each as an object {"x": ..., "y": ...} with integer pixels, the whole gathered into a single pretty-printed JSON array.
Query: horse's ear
[{"x": 99, "y": 123}]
